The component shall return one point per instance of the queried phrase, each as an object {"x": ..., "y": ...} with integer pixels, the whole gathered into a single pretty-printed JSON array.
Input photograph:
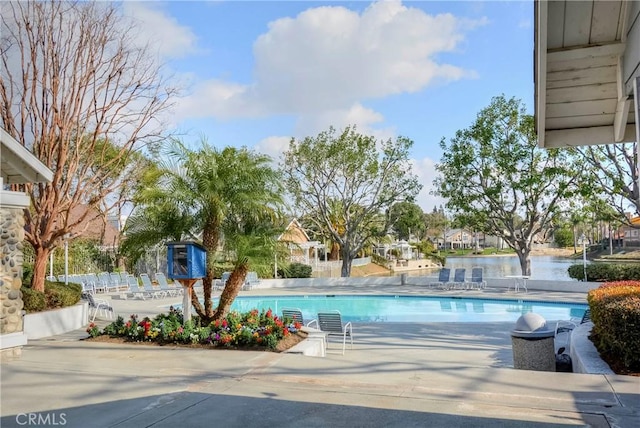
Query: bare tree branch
[{"x": 81, "y": 95}]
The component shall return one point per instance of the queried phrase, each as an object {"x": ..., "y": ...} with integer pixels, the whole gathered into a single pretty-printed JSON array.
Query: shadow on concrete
[{"x": 192, "y": 409}]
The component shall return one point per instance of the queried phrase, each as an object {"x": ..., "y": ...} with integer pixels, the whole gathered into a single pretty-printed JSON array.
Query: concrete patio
[{"x": 426, "y": 374}]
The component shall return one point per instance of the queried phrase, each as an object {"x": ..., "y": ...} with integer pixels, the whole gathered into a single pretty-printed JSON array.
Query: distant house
[
  {"x": 96, "y": 227},
  {"x": 299, "y": 243},
  {"x": 630, "y": 234},
  {"x": 458, "y": 239}
]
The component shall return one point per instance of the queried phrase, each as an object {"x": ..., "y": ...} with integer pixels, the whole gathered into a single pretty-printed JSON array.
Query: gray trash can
[
  {"x": 403, "y": 279},
  {"x": 532, "y": 342}
]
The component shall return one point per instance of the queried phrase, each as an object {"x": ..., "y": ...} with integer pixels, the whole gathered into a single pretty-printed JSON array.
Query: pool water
[{"x": 359, "y": 308}]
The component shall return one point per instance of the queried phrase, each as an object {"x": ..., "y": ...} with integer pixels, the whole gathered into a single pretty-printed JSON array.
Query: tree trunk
[
  {"x": 334, "y": 254},
  {"x": 210, "y": 239},
  {"x": 525, "y": 261},
  {"x": 40, "y": 268},
  {"x": 231, "y": 290},
  {"x": 345, "y": 272}
]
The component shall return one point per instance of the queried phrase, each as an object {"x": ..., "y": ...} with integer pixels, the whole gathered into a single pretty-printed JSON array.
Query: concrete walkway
[{"x": 423, "y": 375}]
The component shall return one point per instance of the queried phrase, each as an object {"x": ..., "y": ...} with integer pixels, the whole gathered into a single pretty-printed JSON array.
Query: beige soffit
[{"x": 587, "y": 57}]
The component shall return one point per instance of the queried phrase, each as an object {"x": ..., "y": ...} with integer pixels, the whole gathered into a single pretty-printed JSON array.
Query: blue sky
[{"x": 256, "y": 73}]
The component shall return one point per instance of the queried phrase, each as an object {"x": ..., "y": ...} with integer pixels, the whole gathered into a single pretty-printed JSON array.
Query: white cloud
[
  {"x": 165, "y": 33},
  {"x": 331, "y": 58},
  {"x": 362, "y": 117},
  {"x": 425, "y": 170},
  {"x": 311, "y": 125},
  {"x": 273, "y": 146}
]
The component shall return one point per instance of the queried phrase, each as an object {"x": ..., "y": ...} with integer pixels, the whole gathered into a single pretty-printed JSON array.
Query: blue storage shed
[{"x": 186, "y": 260}]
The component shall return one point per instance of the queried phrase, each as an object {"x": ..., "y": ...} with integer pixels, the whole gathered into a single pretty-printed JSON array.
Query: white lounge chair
[
  {"x": 331, "y": 323},
  {"x": 134, "y": 289},
  {"x": 251, "y": 281},
  {"x": 105, "y": 282},
  {"x": 218, "y": 284},
  {"x": 154, "y": 292},
  {"x": 164, "y": 285},
  {"x": 92, "y": 278},
  {"x": 115, "y": 282}
]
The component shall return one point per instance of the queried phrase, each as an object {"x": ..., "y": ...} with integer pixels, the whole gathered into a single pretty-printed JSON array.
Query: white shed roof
[
  {"x": 19, "y": 165},
  {"x": 587, "y": 57}
]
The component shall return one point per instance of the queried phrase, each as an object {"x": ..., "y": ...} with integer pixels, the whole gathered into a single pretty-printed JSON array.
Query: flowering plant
[
  {"x": 250, "y": 329},
  {"x": 93, "y": 330}
]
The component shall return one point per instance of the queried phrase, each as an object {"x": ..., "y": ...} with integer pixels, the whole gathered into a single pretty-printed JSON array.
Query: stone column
[{"x": 11, "y": 237}]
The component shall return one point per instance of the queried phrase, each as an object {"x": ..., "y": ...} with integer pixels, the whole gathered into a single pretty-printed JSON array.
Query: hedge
[
  {"x": 606, "y": 272},
  {"x": 56, "y": 295},
  {"x": 296, "y": 270},
  {"x": 615, "y": 311}
]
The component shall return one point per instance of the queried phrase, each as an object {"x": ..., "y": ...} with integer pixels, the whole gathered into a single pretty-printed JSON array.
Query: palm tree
[{"x": 210, "y": 193}]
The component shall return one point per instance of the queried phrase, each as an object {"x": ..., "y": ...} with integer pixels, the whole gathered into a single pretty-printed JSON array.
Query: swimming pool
[{"x": 363, "y": 308}]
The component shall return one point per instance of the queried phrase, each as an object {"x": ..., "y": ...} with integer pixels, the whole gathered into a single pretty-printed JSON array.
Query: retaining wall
[{"x": 57, "y": 321}]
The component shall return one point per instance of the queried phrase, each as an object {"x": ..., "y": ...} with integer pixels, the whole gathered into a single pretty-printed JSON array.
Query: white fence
[{"x": 333, "y": 268}]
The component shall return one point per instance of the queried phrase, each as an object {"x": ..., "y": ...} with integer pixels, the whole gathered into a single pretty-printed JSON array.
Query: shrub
[
  {"x": 27, "y": 273},
  {"x": 60, "y": 295},
  {"x": 34, "y": 301},
  {"x": 379, "y": 260},
  {"x": 615, "y": 311},
  {"x": 56, "y": 295},
  {"x": 605, "y": 272},
  {"x": 296, "y": 270}
]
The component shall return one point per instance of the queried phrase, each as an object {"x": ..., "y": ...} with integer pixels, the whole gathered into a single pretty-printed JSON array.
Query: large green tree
[
  {"x": 230, "y": 196},
  {"x": 343, "y": 181},
  {"x": 494, "y": 173},
  {"x": 612, "y": 175},
  {"x": 407, "y": 218}
]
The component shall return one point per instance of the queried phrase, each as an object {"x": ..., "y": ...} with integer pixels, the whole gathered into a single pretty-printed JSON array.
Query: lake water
[{"x": 542, "y": 267}]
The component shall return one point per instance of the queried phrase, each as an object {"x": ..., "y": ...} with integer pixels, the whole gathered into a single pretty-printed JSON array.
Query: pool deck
[{"x": 397, "y": 374}]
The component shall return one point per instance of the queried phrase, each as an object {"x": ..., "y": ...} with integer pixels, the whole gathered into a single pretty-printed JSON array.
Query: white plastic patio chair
[
  {"x": 331, "y": 323},
  {"x": 98, "y": 306}
]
